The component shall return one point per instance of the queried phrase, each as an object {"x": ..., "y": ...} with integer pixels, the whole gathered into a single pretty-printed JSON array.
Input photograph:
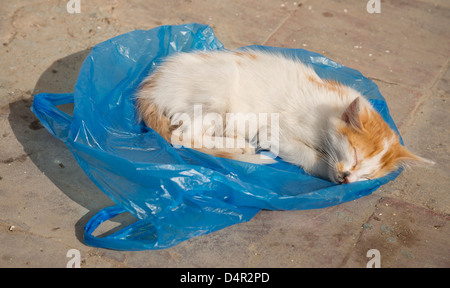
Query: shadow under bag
[{"x": 178, "y": 193}]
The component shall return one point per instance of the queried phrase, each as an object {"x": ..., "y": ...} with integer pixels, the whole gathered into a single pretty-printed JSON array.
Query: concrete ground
[{"x": 45, "y": 198}]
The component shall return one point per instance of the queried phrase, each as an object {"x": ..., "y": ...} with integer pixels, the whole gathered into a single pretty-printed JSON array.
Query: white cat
[{"x": 328, "y": 129}]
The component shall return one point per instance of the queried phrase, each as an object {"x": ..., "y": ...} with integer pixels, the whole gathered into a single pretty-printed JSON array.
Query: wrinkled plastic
[{"x": 176, "y": 194}]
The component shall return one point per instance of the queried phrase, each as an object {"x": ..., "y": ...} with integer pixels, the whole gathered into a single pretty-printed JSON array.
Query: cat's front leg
[
  {"x": 301, "y": 154},
  {"x": 320, "y": 168}
]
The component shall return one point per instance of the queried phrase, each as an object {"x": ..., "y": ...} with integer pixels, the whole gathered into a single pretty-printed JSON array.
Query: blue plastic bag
[{"x": 176, "y": 194}]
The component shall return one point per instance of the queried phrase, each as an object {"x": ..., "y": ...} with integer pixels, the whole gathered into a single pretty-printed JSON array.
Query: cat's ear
[
  {"x": 351, "y": 114},
  {"x": 407, "y": 159}
]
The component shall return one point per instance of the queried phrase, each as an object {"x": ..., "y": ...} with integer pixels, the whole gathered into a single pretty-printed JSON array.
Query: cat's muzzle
[{"x": 342, "y": 177}]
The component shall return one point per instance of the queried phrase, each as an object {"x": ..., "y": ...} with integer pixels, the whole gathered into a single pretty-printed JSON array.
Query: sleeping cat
[{"x": 328, "y": 129}]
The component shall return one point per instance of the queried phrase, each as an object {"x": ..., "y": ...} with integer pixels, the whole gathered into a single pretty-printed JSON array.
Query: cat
[{"x": 328, "y": 129}]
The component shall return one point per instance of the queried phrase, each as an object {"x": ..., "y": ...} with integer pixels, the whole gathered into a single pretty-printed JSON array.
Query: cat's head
[{"x": 362, "y": 146}]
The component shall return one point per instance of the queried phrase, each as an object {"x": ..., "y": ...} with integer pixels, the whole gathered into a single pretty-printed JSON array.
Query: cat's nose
[{"x": 343, "y": 177}]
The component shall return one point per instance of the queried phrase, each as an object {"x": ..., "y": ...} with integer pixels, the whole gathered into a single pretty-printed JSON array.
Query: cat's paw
[{"x": 247, "y": 150}]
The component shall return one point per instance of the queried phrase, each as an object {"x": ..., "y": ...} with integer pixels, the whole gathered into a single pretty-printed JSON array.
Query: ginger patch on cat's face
[{"x": 375, "y": 144}]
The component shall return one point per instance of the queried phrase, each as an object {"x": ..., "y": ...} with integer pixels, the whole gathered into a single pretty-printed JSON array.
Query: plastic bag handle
[
  {"x": 54, "y": 120},
  {"x": 113, "y": 241},
  {"x": 95, "y": 221}
]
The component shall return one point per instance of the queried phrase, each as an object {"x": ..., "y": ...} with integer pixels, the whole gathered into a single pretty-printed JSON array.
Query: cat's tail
[{"x": 149, "y": 113}]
